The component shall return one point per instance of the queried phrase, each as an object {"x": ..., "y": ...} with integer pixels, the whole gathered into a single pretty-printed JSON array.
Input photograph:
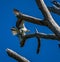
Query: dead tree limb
[
  {"x": 50, "y": 21},
  {"x": 42, "y": 35},
  {"x": 47, "y": 21},
  {"x": 29, "y": 18},
  {"x": 33, "y": 20},
  {"x": 38, "y": 36},
  {"x": 16, "y": 56}
]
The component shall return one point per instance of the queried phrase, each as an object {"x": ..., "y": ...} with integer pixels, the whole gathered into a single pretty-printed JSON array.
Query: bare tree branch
[
  {"x": 16, "y": 56},
  {"x": 29, "y": 18},
  {"x": 47, "y": 21},
  {"x": 50, "y": 21},
  {"x": 42, "y": 35},
  {"x": 33, "y": 20},
  {"x": 22, "y": 43},
  {"x": 38, "y": 36}
]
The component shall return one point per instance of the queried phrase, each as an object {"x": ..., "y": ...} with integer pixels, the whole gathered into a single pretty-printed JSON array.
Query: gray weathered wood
[
  {"x": 29, "y": 18},
  {"x": 16, "y": 56},
  {"x": 49, "y": 19}
]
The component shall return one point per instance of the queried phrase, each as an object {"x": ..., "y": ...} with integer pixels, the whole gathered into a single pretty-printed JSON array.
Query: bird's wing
[{"x": 24, "y": 29}]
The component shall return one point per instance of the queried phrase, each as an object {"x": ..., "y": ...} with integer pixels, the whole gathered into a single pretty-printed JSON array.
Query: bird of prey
[
  {"x": 20, "y": 23},
  {"x": 55, "y": 8},
  {"x": 23, "y": 38},
  {"x": 19, "y": 32}
]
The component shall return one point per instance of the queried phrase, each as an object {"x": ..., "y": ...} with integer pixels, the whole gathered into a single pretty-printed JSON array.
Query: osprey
[
  {"x": 23, "y": 38},
  {"x": 20, "y": 23},
  {"x": 19, "y": 32},
  {"x": 23, "y": 29}
]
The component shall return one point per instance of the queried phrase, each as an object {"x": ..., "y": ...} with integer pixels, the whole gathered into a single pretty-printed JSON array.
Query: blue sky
[{"x": 49, "y": 48}]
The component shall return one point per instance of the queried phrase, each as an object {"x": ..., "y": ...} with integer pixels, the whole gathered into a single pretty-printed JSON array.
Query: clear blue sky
[{"x": 49, "y": 48}]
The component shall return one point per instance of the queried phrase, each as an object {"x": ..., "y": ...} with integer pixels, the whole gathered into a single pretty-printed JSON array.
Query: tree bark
[
  {"x": 16, "y": 56},
  {"x": 50, "y": 21},
  {"x": 42, "y": 35},
  {"x": 31, "y": 19}
]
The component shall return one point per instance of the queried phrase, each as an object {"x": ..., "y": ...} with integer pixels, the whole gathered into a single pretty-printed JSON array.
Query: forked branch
[{"x": 49, "y": 19}]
